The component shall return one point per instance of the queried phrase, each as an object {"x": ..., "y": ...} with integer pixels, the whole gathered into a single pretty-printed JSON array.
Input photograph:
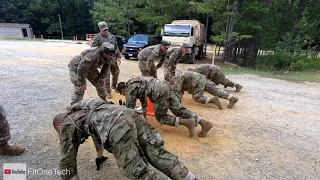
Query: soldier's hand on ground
[
  {"x": 100, "y": 161},
  {"x": 83, "y": 87},
  {"x": 101, "y": 81},
  {"x": 119, "y": 60}
]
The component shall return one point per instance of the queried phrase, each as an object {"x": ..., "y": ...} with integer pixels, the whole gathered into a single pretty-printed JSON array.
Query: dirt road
[{"x": 273, "y": 132}]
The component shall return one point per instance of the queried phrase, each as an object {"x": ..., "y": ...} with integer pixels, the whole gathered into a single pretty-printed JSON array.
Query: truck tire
[
  {"x": 127, "y": 57},
  {"x": 200, "y": 53},
  {"x": 191, "y": 57}
]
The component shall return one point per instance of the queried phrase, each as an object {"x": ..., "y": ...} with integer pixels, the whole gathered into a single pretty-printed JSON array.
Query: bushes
[{"x": 287, "y": 61}]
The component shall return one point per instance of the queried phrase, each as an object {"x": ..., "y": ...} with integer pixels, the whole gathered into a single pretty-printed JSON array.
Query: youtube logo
[
  {"x": 7, "y": 171},
  {"x": 14, "y": 171}
]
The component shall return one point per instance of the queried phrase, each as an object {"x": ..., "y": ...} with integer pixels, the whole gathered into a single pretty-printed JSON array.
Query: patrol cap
[
  {"x": 108, "y": 48},
  {"x": 166, "y": 43},
  {"x": 103, "y": 25}
]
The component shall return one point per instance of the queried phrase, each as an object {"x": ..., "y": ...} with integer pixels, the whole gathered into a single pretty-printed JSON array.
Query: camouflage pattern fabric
[
  {"x": 85, "y": 67},
  {"x": 122, "y": 131},
  {"x": 146, "y": 60},
  {"x": 214, "y": 73},
  {"x": 196, "y": 84},
  {"x": 114, "y": 67},
  {"x": 172, "y": 58},
  {"x": 4, "y": 127},
  {"x": 158, "y": 91}
]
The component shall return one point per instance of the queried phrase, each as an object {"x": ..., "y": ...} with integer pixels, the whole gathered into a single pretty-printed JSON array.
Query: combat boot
[
  {"x": 11, "y": 149},
  {"x": 215, "y": 100},
  {"x": 114, "y": 87},
  {"x": 190, "y": 124},
  {"x": 238, "y": 88},
  {"x": 232, "y": 102},
  {"x": 206, "y": 126}
]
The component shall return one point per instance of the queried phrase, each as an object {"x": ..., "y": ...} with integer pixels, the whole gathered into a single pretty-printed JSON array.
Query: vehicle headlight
[{"x": 140, "y": 49}]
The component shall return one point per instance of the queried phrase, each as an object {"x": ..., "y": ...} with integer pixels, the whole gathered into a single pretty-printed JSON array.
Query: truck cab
[
  {"x": 138, "y": 42},
  {"x": 190, "y": 32}
]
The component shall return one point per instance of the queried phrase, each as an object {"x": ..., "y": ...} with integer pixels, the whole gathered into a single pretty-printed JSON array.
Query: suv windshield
[
  {"x": 139, "y": 39},
  {"x": 177, "y": 30}
]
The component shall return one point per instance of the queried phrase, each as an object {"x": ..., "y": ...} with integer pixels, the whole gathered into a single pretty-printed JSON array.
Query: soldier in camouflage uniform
[
  {"x": 164, "y": 97},
  {"x": 5, "y": 148},
  {"x": 84, "y": 66},
  {"x": 122, "y": 131},
  {"x": 171, "y": 60},
  {"x": 196, "y": 84},
  {"x": 105, "y": 36},
  {"x": 214, "y": 73},
  {"x": 147, "y": 56}
]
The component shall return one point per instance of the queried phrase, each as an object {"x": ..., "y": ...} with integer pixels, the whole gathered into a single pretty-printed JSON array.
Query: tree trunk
[
  {"x": 230, "y": 42},
  {"x": 298, "y": 17}
]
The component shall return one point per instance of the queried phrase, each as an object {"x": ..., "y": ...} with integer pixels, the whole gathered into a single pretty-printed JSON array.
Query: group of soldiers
[{"x": 123, "y": 130}]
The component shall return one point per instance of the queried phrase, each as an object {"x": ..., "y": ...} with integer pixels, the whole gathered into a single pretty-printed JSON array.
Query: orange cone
[{"x": 150, "y": 108}]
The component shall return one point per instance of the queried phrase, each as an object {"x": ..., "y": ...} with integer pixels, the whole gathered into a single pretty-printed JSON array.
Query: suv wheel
[{"x": 127, "y": 57}]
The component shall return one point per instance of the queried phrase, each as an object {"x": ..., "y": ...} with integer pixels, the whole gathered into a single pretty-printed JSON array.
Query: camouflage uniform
[
  {"x": 114, "y": 67},
  {"x": 146, "y": 60},
  {"x": 4, "y": 128},
  {"x": 172, "y": 58},
  {"x": 162, "y": 95},
  {"x": 84, "y": 66},
  {"x": 123, "y": 132},
  {"x": 214, "y": 73},
  {"x": 196, "y": 84}
]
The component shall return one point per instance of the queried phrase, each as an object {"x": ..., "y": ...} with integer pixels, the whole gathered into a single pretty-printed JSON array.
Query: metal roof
[{"x": 17, "y": 25}]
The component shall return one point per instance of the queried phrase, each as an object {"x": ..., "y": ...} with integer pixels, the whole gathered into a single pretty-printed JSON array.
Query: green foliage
[{"x": 282, "y": 60}]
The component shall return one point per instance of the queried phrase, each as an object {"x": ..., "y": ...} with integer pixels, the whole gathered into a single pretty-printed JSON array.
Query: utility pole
[
  {"x": 206, "y": 40},
  {"x": 60, "y": 27}
]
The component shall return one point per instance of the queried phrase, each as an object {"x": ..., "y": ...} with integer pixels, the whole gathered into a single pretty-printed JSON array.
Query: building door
[{"x": 24, "y": 32}]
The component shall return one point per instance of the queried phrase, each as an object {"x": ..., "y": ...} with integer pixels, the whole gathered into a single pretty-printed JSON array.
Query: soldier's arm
[
  {"x": 105, "y": 70},
  {"x": 131, "y": 98},
  {"x": 69, "y": 143},
  {"x": 161, "y": 61},
  {"x": 83, "y": 70},
  {"x": 152, "y": 56},
  {"x": 95, "y": 42}
]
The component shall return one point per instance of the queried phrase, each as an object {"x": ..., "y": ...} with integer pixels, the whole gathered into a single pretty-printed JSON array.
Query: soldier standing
[
  {"x": 196, "y": 84},
  {"x": 5, "y": 148},
  {"x": 172, "y": 58},
  {"x": 85, "y": 66},
  {"x": 213, "y": 73},
  {"x": 147, "y": 55},
  {"x": 122, "y": 131},
  {"x": 105, "y": 36},
  {"x": 164, "y": 98}
]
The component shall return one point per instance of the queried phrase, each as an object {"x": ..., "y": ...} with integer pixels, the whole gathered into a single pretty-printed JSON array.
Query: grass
[{"x": 310, "y": 76}]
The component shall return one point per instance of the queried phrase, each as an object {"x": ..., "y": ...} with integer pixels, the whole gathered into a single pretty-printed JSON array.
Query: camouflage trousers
[
  {"x": 210, "y": 87},
  {"x": 147, "y": 69},
  {"x": 115, "y": 71},
  {"x": 135, "y": 144},
  {"x": 4, "y": 127},
  {"x": 93, "y": 77},
  {"x": 169, "y": 72},
  {"x": 221, "y": 79}
]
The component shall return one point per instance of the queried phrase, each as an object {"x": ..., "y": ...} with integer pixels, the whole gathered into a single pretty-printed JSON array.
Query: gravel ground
[{"x": 273, "y": 132}]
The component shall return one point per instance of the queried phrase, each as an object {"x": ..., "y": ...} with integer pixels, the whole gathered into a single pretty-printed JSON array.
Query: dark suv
[
  {"x": 120, "y": 41},
  {"x": 137, "y": 42}
]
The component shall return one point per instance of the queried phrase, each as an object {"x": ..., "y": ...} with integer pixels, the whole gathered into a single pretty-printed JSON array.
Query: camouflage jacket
[
  {"x": 187, "y": 81},
  {"x": 4, "y": 127},
  {"x": 92, "y": 117},
  {"x": 99, "y": 39},
  {"x": 88, "y": 61},
  {"x": 143, "y": 87},
  {"x": 211, "y": 71},
  {"x": 150, "y": 53},
  {"x": 172, "y": 57}
]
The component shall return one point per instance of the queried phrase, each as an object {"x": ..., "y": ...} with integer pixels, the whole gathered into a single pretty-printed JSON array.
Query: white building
[{"x": 14, "y": 30}]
